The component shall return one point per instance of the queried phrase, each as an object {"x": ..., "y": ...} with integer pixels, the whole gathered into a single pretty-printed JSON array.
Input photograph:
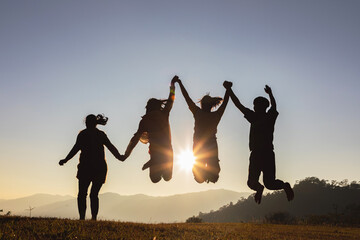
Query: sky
[{"x": 63, "y": 60}]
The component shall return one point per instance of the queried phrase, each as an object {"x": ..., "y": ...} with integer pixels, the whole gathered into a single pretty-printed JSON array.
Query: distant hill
[
  {"x": 18, "y": 205},
  {"x": 135, "y": 208},
  {"x": 312, "y": 197}
]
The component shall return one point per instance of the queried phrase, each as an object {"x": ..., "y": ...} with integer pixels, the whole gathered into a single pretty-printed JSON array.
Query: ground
[{"x": 50, "y": 228}]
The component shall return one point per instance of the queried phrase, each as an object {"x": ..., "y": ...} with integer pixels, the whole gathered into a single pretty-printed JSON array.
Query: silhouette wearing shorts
[
  {"x": 205, "y": 148},
  {"x": 262, "y": 157},
  {"x": 154, "y": 128},
  {"x": 92, "y": 167}
]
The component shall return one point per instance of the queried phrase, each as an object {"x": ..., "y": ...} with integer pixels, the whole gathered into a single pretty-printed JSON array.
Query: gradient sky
[{"x": 62, "y": 60}]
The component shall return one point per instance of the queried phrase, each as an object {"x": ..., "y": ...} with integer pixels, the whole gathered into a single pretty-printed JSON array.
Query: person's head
[
  {"x": 154, "y": 105},
  {"x": 261, "y": 104},
  {"x": 207, "y": 103},
  {"x": 91, "y": 120}
]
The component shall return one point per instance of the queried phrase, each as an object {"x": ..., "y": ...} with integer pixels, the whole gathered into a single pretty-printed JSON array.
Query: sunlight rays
[{"x": 185, "y": 160}]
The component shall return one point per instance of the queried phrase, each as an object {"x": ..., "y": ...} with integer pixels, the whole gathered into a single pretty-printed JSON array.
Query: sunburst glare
[{"x": 186, "y": 160}]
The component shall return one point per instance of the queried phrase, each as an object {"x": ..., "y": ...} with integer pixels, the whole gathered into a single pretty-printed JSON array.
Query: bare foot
[
  {"x": 258, "y": 195},
  {"x": 289, "y": 192}
]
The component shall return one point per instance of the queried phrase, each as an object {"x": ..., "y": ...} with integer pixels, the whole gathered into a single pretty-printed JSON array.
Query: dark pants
[
  {"x": 161, "y": 161},
  {"x": 158, "y": 171},
  {"x": 206, "y": 171},
  {"x": 94, "y": 199},
  {"x": 263, "y": 161},
  {"x": 206, "y": 167}
]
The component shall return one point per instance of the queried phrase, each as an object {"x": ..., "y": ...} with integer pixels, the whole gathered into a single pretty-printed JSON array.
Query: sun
[{"x": 186, "y": 160}]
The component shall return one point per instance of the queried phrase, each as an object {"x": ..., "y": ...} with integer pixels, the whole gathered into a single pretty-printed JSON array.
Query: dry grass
[{"x": 42, "y": 228}]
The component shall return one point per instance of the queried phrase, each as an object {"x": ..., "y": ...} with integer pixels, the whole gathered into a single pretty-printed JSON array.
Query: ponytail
[
  {"x": 92, "y": 120},
  {"x": 210, "y": 102},
  {"x": 101, "y": 119}
]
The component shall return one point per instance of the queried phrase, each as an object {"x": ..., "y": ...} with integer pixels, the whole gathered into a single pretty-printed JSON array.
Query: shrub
[{"x": 194, "y": 219}]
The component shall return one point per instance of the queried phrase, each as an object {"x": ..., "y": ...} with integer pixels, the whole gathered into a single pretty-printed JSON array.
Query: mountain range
[{"x": 134, "y": 208}]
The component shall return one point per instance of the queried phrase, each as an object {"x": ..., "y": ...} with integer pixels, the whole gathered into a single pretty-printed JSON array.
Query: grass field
[{"x": 46, "y": 228}]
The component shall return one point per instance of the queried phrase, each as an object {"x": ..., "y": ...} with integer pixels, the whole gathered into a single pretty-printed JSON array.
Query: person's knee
[
  {"x": 269, "y": 184},
  {"x": 213, "y": 178},
  {"x": 249, "y": 183},
  {"x": 199, "y": 179},
  {"x": 167, "y": 176},
  {"x": 198, "y": 174},
  {"x": 155, "y": 178},
  {"x": 252, "y": 184},
  {"x": 94, "y": 195},
  {"x": 82, "y": 194}
]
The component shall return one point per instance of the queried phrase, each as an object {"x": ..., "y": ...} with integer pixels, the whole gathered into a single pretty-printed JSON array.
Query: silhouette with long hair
[
  {"x": 154, "y": 128},
  {"x": 92, "y": 167},
  {"x": 205, "y": 148},
  {"x": 262, "y": 157}
]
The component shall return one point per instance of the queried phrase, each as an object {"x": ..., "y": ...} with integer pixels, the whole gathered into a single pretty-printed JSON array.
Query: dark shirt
[
  {"x": 91, "y": 143},
  {"x": 261, "y": 129},
  {"x": 156, "y": 126},
  {"x": 205, "y": 125}
]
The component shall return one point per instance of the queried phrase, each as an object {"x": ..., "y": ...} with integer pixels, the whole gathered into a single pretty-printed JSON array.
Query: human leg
[
  {"x": 200, "y": 167},
  {"x": 213, "y": 170},
  {"x": 155, "y": 172},
  {"x": 168, "y": 161},
  {"x": 212, "y": 162},
  {"x": 199, "y": 171},
  {"x": 167, "y": 171},
  {"x": 269, "y": 172},
  {"x": 81, "y": 199},
  {"x": 94, "y": 198},
  {"x": 254, "y": 174},
  {"x": 213, "y": 174},
  {"x": 270, "y": 180}
]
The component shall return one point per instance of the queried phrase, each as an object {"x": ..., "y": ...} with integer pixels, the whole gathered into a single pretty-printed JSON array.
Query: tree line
[{"x": 317, "y": 202}]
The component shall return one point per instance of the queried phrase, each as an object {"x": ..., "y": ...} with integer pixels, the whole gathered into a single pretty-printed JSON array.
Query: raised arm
[
  {"x": 188, "y": 100},
  {"x": 72, "y": 152},
  {"x": 113, "y": 149},
  {"x": 171, "y": 98},
  {"x": 272, "y": 99},
  {"x": 224, "y": 103},
  {"x": 235, "y": 100}
]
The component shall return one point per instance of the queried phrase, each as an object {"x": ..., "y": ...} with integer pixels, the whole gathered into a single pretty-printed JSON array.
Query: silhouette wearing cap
[{"x": 262, "y": 157}]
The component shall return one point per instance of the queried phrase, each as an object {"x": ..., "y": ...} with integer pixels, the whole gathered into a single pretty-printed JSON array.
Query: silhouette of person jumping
[
  {"x": 262, "y": 157},
  {"x": 92, "y": 167},
  {"x": 154, "y": 128},
  {"x": 205, "y": 148}
]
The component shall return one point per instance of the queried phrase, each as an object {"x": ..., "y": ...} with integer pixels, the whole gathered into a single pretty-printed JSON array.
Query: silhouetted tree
[
  {"x": 280, "y": 218},
  {"x": 317, "y": 202},
  {"x": 194, "y": 219}
]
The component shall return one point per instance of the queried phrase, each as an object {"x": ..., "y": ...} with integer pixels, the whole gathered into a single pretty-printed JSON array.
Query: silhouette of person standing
[
  {"x": 262, "y": 157},
  {"x": 205, "y": 148},
  {"x": 92, "y": 167},
  {"x": 154, "y": 128}
]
